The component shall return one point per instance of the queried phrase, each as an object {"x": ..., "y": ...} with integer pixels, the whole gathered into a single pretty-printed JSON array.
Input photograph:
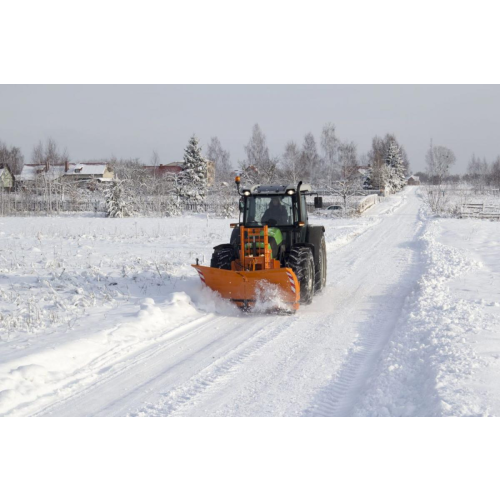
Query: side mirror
[
  {"x": 242, "y": 206},
  {"x": 318, "y": 202}
]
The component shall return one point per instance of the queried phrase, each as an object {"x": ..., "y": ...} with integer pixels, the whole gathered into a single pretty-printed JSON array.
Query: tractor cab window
[{"x": 269, "y": 210}]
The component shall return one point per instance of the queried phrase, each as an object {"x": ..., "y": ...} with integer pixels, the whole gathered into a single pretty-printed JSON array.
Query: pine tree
[
  {"x": 115, "y": 203},
  {"x": 368, "y": 180},
  {"x": 192, "y": 184},
  {"x": 394, "y": 162}
]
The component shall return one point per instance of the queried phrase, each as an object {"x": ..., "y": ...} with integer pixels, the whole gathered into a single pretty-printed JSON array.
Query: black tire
[
  {"x": 301, "y": 261},
  {"x": 320, "y": 275},
  {"x": 222, "y": 258}
]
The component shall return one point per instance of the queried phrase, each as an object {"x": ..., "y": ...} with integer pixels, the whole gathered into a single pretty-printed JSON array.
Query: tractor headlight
[
  {"x": 246, "y": 192},
  {"x": 290, "y": 191}
]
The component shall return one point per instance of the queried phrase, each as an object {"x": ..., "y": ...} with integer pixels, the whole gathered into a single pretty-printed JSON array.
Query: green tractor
[{"x": 273, "y": 243}]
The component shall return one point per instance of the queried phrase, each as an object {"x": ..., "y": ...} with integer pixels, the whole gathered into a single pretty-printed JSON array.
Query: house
[
  {"x": 413, "y": 181},
  {"x": 33, "y": 172},
  {"x": 47, "y": 172},
  {"x": 173, "y": 168},
  {"x": 6, "y": 178},
  {"x": 87, "y": 172},
  {"x": 176, "y": 167}
]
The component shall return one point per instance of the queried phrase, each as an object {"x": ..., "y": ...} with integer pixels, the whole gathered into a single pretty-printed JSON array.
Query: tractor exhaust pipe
[{"x": 298, "y": 203}]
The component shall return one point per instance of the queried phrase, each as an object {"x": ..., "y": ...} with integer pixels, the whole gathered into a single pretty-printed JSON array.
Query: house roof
[
  {"x": 172, "y": 168},
  {"x": 174, "y": 164},
  {"x": 4, "y": 168},
  {"x": 86, "y": 169},
  {"x": 31, "y": 170}
]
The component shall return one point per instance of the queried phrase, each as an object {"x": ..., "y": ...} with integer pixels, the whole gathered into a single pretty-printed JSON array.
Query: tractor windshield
[{"x": 268, "y": 210}]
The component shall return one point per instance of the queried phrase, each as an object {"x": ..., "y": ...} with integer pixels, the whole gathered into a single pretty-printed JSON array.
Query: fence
[
  {"x": 367, "y": 202},
  {"x": 359, "y": 192},
  {"x": 12, "y": 206},
  {"x": 479, "y": 211}
]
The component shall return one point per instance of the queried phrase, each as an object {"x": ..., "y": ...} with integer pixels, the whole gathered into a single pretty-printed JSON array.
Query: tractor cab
[
  {"x": 275, "y": 206},
  {"x": 273, "y": 248},
  {"x": 281, "y": 209}
]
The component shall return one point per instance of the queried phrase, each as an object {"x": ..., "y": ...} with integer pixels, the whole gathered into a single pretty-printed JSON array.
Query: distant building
[
  {"x": 31, "y": 172},
  {"x": 413, "y": 181},
  {"x": 176, "y": 167},
  {"x": 173, "y": 168},
  {"x": 6, "y": 178},
  {"x": 87, "y": 171},
  {"x": 35, "y": 172}
]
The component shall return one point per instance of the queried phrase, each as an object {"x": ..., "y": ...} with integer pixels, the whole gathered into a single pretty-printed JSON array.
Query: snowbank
[{"x": 429, "y": 366}]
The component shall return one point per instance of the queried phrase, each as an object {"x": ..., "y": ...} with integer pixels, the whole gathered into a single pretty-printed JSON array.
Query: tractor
[{"x": 271, "y": 247}]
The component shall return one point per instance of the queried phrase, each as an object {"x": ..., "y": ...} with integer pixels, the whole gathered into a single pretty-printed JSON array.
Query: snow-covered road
[
  {"x": 314, "y": 363},
  {"x": 336, "y": 357}
]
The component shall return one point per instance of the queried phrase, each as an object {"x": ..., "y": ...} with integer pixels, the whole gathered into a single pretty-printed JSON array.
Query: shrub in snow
[
  {"x": 115, "y": 203},
  {"x": 173, "y": 207}
]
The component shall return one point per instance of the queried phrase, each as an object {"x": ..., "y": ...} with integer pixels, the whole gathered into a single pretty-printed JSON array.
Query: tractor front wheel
[
  {"x": 301, "y": 261},
  {"x": 222, "y": 257}
]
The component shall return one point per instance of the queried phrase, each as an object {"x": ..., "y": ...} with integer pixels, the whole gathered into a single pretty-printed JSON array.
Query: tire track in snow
[
  {"x": 340, "y": 397},
  {"x": 199, "y": 387},
  {"x": 101, "y": 371}
]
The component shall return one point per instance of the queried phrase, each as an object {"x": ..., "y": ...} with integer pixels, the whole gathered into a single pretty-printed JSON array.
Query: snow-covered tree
[
  {"x": 49, "y": 153},
  {"x": 346, "y": 189},
  {"x": 439, "y": 159},
  {"x": 329, "y": 147},
  {"x": 347, "y": 160},
  {"x": 368, "y": 179},
  {"x": 116, "y": 205},
  {"x": 259, "y": 167},
  {"x": 192, "y": 181},
  {"x": 221, "y": 159},
  {"x": 377, "y": 159},
  {"x": 292, "y": 168},
  {"x": 494, "y": 176},
  {"x": 394, "y": 162},
  {"x": 11, "y": 156},
  {"x": 310, "y": 160},
  {"x": 478, "y": 172},
  {"x": 173, "y": 207}
]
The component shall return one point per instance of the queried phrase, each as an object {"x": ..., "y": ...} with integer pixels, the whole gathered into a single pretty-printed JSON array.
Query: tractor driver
[{"x": 276, "y": 212}]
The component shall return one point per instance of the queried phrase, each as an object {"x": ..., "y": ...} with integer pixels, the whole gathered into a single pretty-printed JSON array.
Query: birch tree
[
  {"x": 292, "y": 168},
  {"x": 310, "y": 160},
  {"x": 221, "y": 159},
  {"x": 258, "y": 167}
]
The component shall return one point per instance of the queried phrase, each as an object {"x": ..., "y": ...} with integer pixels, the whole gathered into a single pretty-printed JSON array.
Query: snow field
[
  {"x": 80, "y": 295},
  {"x": 407, "y": 325}
]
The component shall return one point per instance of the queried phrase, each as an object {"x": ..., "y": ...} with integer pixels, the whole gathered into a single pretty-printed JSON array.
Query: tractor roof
[{"x": 278, "y": 189}]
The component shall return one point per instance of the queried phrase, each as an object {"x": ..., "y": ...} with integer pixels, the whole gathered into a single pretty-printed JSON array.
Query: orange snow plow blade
[{"x": 246, "y": 288}]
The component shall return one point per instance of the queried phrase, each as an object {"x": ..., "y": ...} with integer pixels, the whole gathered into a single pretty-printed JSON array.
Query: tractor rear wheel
[
  {"x": 301, "y": 261},
  {"x": 222, "y": 257},
  {"x": 320, "y": 276}
]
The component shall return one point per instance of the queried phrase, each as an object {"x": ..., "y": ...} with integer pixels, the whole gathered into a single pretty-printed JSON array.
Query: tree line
[
  {"x": 330, "y": 163},
  {"x": 480, "y": 173},
  {"x": 322, "y": 163}
]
